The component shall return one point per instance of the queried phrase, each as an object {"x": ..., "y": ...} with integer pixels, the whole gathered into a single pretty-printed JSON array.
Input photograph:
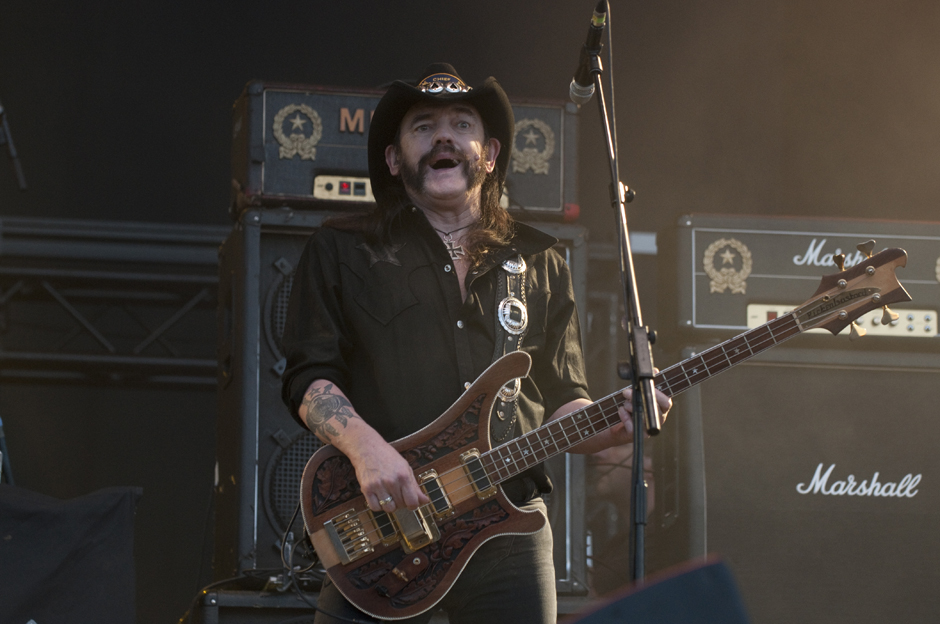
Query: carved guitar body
[
  {"x": 395, "y": 566},
  {"x": 388, "y": 582}
]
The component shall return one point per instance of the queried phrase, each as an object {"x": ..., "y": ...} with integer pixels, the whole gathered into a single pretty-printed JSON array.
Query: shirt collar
[{"x": 526, "y": 239}]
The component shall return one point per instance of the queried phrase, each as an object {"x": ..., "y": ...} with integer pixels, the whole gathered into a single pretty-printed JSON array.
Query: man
[{"x": 393, "y": 314}]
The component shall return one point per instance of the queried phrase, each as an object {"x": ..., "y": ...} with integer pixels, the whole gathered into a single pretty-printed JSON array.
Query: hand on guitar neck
[{"x": 617, "y": 435}]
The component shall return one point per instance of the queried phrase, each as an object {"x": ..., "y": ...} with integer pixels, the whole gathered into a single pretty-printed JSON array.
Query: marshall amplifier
[
  {"x": 734, "y": 271},
  {"x": 305, "y": 146},
  {"x": 811, "y": 467}
]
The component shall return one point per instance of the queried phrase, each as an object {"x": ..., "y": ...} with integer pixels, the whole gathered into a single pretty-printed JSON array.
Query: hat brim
[{"x": 489, "y": 99}]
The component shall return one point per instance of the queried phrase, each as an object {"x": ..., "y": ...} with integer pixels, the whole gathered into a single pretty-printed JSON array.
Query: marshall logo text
[
  {"x": 815, "y": 256},
  {"x": 906, "y": 488}
]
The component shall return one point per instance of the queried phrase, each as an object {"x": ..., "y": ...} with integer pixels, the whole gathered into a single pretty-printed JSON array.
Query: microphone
[{"x": 582, "y": 85}]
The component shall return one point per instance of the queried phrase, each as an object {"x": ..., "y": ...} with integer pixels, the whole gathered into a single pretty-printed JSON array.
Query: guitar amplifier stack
[
  {"x": 811, "y": 468},
  {"x": 305, "y": 146}
]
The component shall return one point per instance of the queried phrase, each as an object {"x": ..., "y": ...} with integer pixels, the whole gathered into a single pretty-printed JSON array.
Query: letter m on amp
[
  {"x": 352, "y": 122},
  {"x": 818, "y": 483}
]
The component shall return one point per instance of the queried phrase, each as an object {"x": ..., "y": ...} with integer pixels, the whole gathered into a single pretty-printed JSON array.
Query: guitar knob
[
  {"x": 840, "y": 261},
  {"x": 866, "y": 248},
  {"x": 857, "y": 331},
  {"x": 889, "y": 317}
]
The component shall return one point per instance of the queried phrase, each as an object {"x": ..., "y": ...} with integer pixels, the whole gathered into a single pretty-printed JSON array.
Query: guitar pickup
[
  {"x": 348, "y": 536},
  {"x": 439, "y": 499},
  {"x": 386, "y": 529},
  {"x": 416, "y": 528},
  {"x": 473, "y": 466}
]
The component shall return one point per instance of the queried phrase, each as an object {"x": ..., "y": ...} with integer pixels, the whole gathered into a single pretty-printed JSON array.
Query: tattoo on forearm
[{"x": 324, "y": 410}]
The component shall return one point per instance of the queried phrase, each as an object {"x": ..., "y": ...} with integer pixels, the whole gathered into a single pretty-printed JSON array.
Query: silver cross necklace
[{"x": 453, "y": 249}]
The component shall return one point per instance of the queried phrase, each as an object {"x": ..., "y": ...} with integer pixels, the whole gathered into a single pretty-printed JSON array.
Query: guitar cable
[
  {"x": 291, "y": 581},
  {"x": 292, "y": 575}
]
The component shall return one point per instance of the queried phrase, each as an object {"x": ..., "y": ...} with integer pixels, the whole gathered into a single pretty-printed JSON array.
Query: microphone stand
[{"x": 646, "y": 415}]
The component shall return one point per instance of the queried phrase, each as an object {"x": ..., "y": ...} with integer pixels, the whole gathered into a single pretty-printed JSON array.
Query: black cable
[
  {"x": 292, "y": 580},
  {"x": 202, "y": 592},
  {"x": 285, "y": 534}
]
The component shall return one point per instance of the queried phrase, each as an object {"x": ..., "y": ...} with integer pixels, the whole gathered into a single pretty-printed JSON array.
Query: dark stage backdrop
[{"x": 122, "y": 111}]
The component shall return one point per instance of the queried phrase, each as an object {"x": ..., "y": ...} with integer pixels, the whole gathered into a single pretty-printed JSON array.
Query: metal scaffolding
[{"x": 97, "y": 302}]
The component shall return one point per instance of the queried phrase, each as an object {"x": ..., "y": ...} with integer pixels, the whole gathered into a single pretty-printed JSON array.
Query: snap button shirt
[{"x": 388, "y": 327}]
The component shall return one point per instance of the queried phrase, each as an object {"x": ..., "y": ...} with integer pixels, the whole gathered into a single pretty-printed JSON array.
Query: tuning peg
[
  {"x": 840, "y": 261},
  {"x": 857, "y": 331},
  {"x": 867, "y": 247},
  {"x": 889, "y": 317}
]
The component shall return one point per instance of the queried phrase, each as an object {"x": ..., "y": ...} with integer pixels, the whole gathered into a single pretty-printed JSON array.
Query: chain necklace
[{"x": 453, "y": 249}]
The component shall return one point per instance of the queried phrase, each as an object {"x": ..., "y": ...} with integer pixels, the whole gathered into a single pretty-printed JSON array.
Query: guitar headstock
[{"x": 845, "y": 296}]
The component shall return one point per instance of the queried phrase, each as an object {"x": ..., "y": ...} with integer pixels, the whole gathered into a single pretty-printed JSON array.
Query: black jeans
[{"x": 509, "y": 579}]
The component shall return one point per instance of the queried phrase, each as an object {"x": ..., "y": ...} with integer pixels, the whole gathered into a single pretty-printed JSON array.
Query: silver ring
[{"x": 385, "y": 501}]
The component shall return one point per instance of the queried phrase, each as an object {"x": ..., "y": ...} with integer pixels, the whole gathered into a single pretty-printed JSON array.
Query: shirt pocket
[
  {"x": 385, "y": 294},
  {"x": 537, "y": 312}
]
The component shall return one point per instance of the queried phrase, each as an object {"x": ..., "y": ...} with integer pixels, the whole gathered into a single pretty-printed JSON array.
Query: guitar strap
[{"x": 512, "y": 320}]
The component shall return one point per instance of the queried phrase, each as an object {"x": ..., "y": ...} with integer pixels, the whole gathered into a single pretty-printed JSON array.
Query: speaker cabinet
[
  {"x": 262, "y": 451},
  {"x": 812, "y": 470}
]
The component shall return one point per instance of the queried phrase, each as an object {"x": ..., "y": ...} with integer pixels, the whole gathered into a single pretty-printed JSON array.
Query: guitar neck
[{"x": 512, "y": 458}]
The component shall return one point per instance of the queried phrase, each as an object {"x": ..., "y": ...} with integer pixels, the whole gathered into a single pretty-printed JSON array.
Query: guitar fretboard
[{"x": 512, "y": 458}]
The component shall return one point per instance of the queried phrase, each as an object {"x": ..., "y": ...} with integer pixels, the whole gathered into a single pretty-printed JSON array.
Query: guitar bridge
[{"x": 348, "y": 537}]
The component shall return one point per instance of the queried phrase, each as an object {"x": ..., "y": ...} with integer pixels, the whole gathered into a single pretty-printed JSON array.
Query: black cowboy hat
[{"x": 440, "y": 83}]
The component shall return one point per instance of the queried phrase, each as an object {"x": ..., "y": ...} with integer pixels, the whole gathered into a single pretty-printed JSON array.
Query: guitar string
[
  {"x": 568, "y": 427},
  {"x": 765, "y": 337},
  {"x": 610, "y": 418},
  {"x": 710, "y": 359},
  {"x": 718, "y": 358},
  {"x": 759, "y": 339},
  {"x": 608, "y": 413},
  {"x": 715, "y": 355},
  {"x": 787, "y": 326}
]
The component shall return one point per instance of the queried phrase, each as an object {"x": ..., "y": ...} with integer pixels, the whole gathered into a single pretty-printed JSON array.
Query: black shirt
[{"x": 387, "y": 326}]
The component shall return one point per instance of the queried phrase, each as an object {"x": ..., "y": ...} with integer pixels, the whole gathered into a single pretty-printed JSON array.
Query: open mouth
[{"x": 444, "y": 163}]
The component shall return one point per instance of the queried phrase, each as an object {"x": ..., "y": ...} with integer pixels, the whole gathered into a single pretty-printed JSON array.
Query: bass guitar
[{"x": 399, "y": 565}]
